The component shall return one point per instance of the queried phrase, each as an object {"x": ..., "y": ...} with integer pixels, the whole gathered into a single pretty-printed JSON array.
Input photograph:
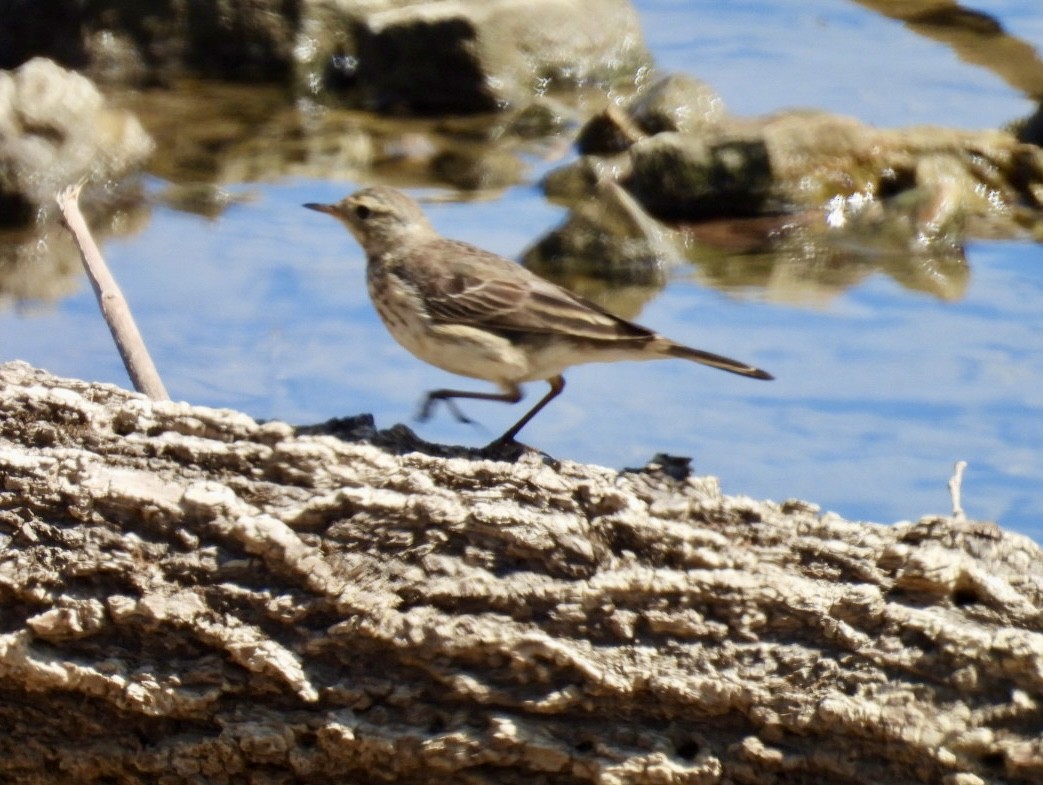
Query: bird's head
[{"x": 381, "y": 218}]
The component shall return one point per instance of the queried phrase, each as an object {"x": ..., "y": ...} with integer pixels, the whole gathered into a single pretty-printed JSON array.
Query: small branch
[
  {"x": 955, "y": 486},
  {"x": 136, "y": 359}
]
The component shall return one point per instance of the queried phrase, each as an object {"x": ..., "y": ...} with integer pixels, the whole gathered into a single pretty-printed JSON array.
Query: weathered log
[{"x": 189, "y": 596}]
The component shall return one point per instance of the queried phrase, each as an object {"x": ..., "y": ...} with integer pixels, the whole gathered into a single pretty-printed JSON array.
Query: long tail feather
[{"x": 715, "y": 361}]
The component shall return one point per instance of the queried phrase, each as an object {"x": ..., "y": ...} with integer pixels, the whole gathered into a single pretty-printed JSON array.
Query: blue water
[
  {"x": 837, "y": 56},
  {"x": 879, "y": 389}
]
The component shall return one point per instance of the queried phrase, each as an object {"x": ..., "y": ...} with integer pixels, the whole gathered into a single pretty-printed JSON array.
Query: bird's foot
[
  {"x": 504, "y": 449},
  {"x": 507, "y": 448},
  {"x": 428, "y": 407}
]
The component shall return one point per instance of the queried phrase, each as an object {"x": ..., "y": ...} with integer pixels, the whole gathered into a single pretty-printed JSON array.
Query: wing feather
[{"x": 479, "y": 288}]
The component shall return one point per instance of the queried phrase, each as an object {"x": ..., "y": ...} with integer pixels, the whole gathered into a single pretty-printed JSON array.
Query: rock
[
  {"x": 808, "y": 192},
  {"x": 676, "y": 102},
  {"x": 610, "y": 131},
  {"x": 679, "y": 175},
  {"x": 485, "y": 55},
  {"x": 156, "y": 41},
  {"x": 444, "y": 56},
  {"x": 807, "y": 159},
  {"x": 55, "y": 128}
]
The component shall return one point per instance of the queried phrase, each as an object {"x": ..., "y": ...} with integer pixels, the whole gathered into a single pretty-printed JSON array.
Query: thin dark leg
[
  {"x": 511, "y": 396},
  {"x": 557, "y": 384}
]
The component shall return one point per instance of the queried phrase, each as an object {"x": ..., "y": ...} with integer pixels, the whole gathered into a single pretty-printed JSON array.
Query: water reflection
[
  {"x": 815, "y": 272},
  {"x": 37, "y": 264},
  {"x": 219, "y": 133},
  {"x": 40, "y": 262},
  {"x": 976, "y": 37}
]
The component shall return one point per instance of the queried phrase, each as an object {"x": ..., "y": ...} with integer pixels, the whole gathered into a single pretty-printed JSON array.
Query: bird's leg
[
  {"x": 450, "y": 404},
  {"x": 557, "y": 384},
  {"x": 512, "y": 395}
]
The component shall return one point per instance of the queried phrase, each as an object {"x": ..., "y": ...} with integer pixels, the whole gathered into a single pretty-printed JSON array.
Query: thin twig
[
  {"x": 955, "y": 486},
  {"x": 136, "y": 359}
]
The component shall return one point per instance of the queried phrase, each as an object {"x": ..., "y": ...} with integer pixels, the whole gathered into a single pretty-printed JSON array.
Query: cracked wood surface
[{"x": 189, "y": 596}]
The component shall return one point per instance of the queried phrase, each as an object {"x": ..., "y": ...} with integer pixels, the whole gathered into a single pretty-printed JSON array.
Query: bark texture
[{"x": 189, "y": 596}]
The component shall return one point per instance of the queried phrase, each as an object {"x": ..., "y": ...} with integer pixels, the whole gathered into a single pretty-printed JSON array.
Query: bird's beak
[{"x": 330, "y": 209}]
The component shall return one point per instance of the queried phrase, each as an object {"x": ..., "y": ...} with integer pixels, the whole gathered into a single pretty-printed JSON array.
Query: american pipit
[{"x": 476, "y": 314}]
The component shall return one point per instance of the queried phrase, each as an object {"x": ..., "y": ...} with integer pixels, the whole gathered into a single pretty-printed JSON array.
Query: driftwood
[{"x": 189, "y": 596}]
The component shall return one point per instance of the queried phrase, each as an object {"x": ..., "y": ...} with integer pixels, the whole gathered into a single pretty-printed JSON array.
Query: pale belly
[{"x": 459, "y": 349}]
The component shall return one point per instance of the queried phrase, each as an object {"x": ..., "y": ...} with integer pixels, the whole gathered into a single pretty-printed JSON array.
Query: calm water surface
[{"x": 879, "y": 391}]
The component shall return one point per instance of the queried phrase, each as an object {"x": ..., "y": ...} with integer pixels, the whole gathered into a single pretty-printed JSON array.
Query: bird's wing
[{"x": 481, "y": 288}]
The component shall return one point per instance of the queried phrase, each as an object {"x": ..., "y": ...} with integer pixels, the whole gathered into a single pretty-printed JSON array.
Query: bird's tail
[{"x": 714, "y": 360}]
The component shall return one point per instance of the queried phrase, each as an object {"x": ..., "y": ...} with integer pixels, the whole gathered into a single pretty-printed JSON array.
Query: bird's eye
[{"x": 363, "y": 212}]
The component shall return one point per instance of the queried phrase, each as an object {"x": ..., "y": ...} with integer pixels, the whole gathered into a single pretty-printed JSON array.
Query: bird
[{"x": 477, "y": 314}]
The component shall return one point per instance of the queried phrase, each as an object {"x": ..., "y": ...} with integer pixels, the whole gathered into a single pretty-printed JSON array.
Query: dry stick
[
  {"x": 114, "y": 308},
  {"x": 955, "y": 487}
]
